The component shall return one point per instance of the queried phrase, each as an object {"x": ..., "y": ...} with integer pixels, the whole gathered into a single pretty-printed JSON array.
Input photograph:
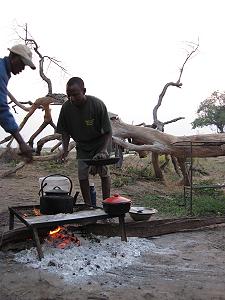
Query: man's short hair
[{"x": 76, "y": 80}]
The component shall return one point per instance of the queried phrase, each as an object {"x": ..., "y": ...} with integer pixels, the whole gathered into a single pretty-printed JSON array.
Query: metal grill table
[
  {"x": 189, "y": 150},
  {"x": 35, "y": 222}
]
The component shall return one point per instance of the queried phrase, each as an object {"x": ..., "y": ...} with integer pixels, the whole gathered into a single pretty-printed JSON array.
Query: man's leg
[
  {"x": 85, "y": 191},
  {"x": 106, "y": 184},
  {"x": 83, "y": 170}
]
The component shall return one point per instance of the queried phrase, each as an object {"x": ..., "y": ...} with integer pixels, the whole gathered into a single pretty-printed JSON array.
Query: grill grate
[{"x": 31, "y": 217}]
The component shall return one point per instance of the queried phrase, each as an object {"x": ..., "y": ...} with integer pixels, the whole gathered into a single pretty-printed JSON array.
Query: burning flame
[
  {"x": 52, "y": 232},
  {"x": 61, "y": 238}
]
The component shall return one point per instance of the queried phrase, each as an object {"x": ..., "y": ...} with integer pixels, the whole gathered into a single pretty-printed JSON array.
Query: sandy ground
[{"x": 192, "y": 267}]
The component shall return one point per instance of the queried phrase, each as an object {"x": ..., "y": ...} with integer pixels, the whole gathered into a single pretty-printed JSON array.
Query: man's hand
[
  {"x": 101, "y": 155},
  {"x": 64, "y": 155},
  {"x": 101, "y": 170}
]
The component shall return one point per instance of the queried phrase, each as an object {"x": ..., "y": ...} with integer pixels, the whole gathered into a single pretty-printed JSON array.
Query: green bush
[
  {"x": 166, "y": 205},
  {"x": 140, "y": 172},
  {"x": 132, "y": 173},
  {"x": 208, "y": 205},
  {"x": 173, "y": 205},
  {"x": 121, "y": 181}
]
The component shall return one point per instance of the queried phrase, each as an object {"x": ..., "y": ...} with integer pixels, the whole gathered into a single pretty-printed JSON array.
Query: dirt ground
[{"x": 192, "y": 267}]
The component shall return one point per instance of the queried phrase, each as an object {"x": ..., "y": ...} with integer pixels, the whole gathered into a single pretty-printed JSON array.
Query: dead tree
[
  {"x": 159, "y": 125},
  {"x": 204, "y": 145},
  {"x": 145, "y": 138}
]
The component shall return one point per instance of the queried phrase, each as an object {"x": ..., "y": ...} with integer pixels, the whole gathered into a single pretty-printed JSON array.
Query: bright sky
[{"x": 125, "y": 50}]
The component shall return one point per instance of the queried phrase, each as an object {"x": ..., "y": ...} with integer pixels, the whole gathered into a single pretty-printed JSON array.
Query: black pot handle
[{"x": 51, "y": 175}]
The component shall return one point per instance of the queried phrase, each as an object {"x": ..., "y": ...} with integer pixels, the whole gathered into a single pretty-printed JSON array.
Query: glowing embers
[
  {"x": 37, "y": 212},
  {"x": 30, "y": 212},
  {"x": 61, "y": 238}
]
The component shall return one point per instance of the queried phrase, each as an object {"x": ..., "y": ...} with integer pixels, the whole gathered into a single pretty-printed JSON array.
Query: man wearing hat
[{"x": 19, "y": 57}]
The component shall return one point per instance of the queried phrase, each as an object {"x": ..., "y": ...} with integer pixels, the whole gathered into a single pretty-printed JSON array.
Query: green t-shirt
[{"x": 86, "y": 125}]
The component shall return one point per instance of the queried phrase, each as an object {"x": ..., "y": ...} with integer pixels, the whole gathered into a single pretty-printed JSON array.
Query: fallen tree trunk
[
  {"x": 203, "y": 145},
  {"x": 143, "y": 229},
  {"x": 146, "y": 229}
]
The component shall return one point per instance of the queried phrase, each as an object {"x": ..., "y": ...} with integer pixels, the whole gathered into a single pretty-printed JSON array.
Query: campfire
[
  {"x": 61, "y": 238},
  {"x": 97, "y": 255}
]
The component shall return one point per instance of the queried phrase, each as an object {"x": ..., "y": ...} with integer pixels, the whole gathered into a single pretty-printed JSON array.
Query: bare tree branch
[
  {"x": 19, "y": 104},
  {"x": 173, "y": 120},
  {"x": 160, "y": 125}
]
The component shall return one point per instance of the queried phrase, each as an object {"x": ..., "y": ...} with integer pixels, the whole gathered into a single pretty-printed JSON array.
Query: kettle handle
[{"x": 51, "y": 175}]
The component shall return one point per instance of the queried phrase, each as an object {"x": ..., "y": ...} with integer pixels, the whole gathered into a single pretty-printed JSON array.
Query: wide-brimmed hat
[{"x": 25, "y": 53}]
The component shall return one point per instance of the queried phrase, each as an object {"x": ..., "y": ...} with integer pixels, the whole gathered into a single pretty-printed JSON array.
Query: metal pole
[
  {"x": 122, "y": 228},
  {"x": 191, "y": 175},
  {"x": 37, "y": 241},
  {"x": 11, "y": 220}
]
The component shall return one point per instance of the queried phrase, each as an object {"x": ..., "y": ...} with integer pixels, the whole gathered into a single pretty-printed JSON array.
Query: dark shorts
[{"x": 83, "y": 170}]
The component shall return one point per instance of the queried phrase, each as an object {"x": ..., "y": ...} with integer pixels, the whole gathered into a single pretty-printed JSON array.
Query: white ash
[{"x": 90, "y": 258}]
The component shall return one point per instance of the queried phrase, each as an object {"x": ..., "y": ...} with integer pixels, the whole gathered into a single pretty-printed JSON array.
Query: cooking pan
[{"x": 102, "y": 161}]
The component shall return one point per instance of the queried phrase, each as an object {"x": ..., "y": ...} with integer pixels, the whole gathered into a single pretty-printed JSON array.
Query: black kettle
[{"x": 57, "y": 200}]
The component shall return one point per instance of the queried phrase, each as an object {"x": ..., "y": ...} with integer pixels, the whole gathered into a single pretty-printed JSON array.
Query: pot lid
[
  {"x": 56, "y": 191},
  {"x": 116, "y": 199}
]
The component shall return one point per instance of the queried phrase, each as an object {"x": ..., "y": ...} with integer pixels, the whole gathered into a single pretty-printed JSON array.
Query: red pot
[{"x": 116, "y": 205}]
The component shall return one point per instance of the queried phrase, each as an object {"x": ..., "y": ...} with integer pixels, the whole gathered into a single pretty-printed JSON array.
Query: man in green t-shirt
[{"x": 85, "y": 119}]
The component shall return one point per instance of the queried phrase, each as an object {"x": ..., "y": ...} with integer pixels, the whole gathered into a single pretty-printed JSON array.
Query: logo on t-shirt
[{"x": 89, "y": 122}]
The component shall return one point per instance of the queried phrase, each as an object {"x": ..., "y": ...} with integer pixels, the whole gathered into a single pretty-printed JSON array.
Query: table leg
[
  {"x": 11, "y": 220},
  {"x": 122, "y": 228},
  {"x": 38, "y": 244}
]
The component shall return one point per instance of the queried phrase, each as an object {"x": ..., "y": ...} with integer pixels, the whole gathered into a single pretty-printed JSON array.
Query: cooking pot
[
  {"x": 116, "y": 205},
  {"x": 57, "y": 200}
]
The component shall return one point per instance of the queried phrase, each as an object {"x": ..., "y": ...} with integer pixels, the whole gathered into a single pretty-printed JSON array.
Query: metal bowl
[{"x": 141, "y": 213}]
